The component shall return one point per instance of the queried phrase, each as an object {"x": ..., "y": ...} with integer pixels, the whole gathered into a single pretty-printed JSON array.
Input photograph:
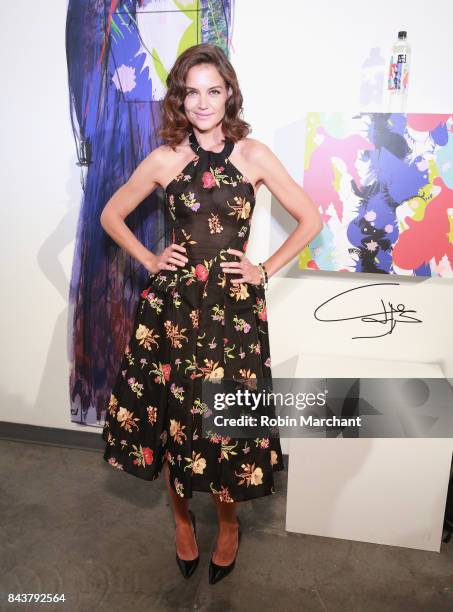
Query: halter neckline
[{"x": 197, "y": 148}]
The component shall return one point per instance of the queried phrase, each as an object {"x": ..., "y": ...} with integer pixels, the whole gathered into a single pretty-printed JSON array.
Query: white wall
[
  {"x": 291, "y": 58},
  {"x": 41, "y": 198}
]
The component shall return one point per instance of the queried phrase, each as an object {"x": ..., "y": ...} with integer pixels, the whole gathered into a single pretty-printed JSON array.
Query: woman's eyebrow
[{"x": 195, "y": 89}]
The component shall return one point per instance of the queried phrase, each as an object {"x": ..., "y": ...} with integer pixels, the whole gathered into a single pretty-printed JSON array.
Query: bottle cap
[{"x": 402, "y": 34}]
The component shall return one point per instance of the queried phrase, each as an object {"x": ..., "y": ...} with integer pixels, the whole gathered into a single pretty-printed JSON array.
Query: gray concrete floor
[{"x": 72, "y": 524}]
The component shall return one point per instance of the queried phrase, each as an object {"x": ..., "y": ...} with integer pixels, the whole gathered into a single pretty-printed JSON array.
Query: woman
[{"x": 202, "y": 314}]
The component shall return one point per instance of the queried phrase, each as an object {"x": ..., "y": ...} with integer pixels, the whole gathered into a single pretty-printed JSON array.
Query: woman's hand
[
  {"x": 249, "y": 273},
  {"x": 169, "y": 259}
]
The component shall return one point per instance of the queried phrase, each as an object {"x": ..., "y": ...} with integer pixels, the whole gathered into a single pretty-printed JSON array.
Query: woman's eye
[{"x": 216, "y": 91}]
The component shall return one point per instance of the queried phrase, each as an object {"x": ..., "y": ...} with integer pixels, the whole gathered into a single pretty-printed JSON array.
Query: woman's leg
[
  {"x": 227, "y": 539},
  {"x": 186, "y": 545}
]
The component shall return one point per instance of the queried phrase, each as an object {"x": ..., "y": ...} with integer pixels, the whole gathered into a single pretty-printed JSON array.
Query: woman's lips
[{"x": 203, "y": 116}]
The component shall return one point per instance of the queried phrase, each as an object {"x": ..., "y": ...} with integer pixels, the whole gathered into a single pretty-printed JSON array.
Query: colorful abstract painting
[
  {"x": 119, "y": 53},
  {"x": 384, "y": 186}
]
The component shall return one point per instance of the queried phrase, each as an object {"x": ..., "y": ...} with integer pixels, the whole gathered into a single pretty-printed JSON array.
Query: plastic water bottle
[{"x": 398, "y": 76}]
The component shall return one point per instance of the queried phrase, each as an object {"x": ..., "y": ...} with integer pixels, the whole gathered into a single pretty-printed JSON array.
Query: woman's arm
[
  {"x": 141, "y": 183},
  {"x": 293, "y": 198}
]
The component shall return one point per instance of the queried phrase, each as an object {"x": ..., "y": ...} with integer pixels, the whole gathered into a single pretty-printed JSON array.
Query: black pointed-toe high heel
[
  {"x": 217, "y": 572},
  {"x": 188, "y": 567}
]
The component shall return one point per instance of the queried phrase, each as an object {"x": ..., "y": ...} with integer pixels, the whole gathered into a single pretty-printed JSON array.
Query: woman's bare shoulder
[
  {"x": 256, "y": 156},
  {"x": 253, "y": 149},
  {"x": 163, "y": 157},
  {"x": 250, "y": 155},
  {"x": 163, "y": 162},
  {"x": 165, "y": 151},
  {"x": 251, "y": 142}
]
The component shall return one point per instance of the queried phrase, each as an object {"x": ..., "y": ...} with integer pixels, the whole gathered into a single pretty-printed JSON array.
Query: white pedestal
[{"x": 386, "y": 490}]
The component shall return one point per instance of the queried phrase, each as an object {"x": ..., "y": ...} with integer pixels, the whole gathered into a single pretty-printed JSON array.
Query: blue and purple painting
[
  {"x": 119, "y": 53},
  {"x": 384, "y": 186}
]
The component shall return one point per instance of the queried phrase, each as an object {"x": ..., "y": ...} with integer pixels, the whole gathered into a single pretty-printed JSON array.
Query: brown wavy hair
[{"x": 174, "y": 123}]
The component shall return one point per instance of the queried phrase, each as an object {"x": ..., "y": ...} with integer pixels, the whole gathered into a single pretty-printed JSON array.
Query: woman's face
[{"x": 206, "y": 94}]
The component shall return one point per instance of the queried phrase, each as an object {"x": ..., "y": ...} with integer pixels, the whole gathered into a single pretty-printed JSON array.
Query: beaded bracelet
[{"x": 264, "y": 277}]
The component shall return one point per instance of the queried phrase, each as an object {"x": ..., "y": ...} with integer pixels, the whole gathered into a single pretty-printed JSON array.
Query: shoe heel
[
  {"x": 218, "y": 572},
  {"x": 187, "y": 568}
]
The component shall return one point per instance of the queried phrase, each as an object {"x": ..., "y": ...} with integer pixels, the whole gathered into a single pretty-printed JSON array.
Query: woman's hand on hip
[
  {"x": 248, "y": 271},
  {"x": 171, "y": 258}
]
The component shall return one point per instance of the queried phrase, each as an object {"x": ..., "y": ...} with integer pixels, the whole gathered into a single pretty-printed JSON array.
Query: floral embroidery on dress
[
  {"x": 146, "y": 337},
  {"x": 152, "y": 414},
  {"x": 171, "y": 206},
  {"x": 126, "y": 419},
  {"x": 175, "y": 334},
  {"x": 176, "y": 431},
  {"x": 223, "y": 493},
  {"x": 113, "y": 405},
  {"x": 179, "y": 487},
  {"x": 136, "y": 386},
  {"x": 239, "y": 291},
  {"x": 215, "y": 227},
  {"x": 241, "y": 325},
  {"x": 194, "y": 325},
  {"x": 154, "y": 301},
  {"x": 218, "y": 314},
  {"x": 260, "y": 309},
  {"x": 240, "y": 178},
  {"x": 214, "y": 178},
  {"x": 241, "y": 209},
  {"x": 227, "y": 447},
  {"x": 250, "y": 475},
  {"x": 187, "y": 238},
  {"x": 162, "y": 372},
  {"x": 200, "y": 407},
  {"x": 190, "y": 201},
  {"x": 197, "y": 463},
  {"x": 195, "y": 317},
  {"x": 143, "y": 456}
]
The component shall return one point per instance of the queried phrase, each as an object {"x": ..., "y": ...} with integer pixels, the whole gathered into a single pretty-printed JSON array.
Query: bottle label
[{"x": 398, "y": 73}]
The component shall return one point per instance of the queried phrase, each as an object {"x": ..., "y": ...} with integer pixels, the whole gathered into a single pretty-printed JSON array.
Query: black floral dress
[{"x": 193, "y": 324}]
